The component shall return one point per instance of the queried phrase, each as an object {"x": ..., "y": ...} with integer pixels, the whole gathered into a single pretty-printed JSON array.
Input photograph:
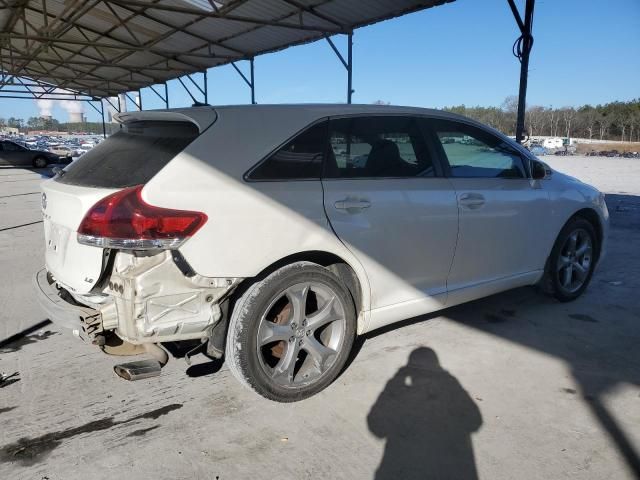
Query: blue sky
[{"x": 459, "y": 53}]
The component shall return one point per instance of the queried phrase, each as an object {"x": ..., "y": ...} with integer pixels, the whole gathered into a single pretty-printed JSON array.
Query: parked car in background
[
  {"x": 74, "y": 147},
  {"x": 553, "y": 143},
  {"x": 63, "y": 151},
  {"x": 252, "y": 232},
  {"x": 538, "y": 150},
  {"x": 13, "y": 154},
  {"x": 84, "y": 148}
]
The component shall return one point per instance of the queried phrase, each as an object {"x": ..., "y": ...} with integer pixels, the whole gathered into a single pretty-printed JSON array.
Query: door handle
[
  {"x": 472, "y": 201},
  {"x": 352, "y": 205}
]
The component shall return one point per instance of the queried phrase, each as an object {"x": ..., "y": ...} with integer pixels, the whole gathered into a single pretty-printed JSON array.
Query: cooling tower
[{"x": 76, "y": 117}]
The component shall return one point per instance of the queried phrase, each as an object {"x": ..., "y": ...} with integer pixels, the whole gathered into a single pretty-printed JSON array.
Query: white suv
[{"x": 276, "y": 234}]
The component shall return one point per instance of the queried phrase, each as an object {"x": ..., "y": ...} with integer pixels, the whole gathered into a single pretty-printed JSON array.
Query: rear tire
[
  {"x": 40, "y": 162},
  {"x": 572, "y": 260},
  {"x": 291, "y": 333}
]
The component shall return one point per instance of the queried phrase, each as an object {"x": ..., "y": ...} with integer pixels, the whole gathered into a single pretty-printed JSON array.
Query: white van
[{"x": 555, "y": 142}]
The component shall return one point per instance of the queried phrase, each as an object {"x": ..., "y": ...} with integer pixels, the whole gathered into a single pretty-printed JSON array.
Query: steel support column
[
  {"x": 104, "y": 127},
  {"x": 206, "y": 89},
  {"x": 349, "y": 67},
  {"x": 249, "y": 81},
  {"x": 114, "y": 106},
  {"x": 165, "y": 99},
  {"x": 166, "y": 95},
  {"x": 253, "y": 83},
  {"x": 137, "y": 104},
  {"x": 202, "y": 90},
  {"x": 100, "y": 112},
  {"x": 348, "y": 63},
  {"x": 188, "y": 91},
  {"x": 521, "y": 49}
]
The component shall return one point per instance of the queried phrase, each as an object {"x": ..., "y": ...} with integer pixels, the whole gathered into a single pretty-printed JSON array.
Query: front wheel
[
  {"x": 572, "y": 260},
  {"x": 290, "y": 334}
]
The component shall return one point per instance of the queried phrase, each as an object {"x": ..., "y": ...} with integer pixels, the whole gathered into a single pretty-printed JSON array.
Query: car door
[
  {"x": 502, "y": 211},
  {"x": 15, "y": 154},
  {"x": 388, "y": 202}
]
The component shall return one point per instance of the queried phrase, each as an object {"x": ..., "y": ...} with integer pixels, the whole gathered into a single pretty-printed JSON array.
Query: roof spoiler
[{"x": 202, "y": 117}]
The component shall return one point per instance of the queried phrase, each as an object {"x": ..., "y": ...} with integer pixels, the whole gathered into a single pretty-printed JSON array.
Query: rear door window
[
  {"x": 377, "y": 147},
  {"x": 132, "y": 156}
]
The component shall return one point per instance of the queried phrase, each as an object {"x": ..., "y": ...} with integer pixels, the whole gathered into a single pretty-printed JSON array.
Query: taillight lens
[{"x": 124, "y": 220}]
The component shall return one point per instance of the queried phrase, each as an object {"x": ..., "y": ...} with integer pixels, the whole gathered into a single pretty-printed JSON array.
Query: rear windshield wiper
[{"x": 59, "y": 172}]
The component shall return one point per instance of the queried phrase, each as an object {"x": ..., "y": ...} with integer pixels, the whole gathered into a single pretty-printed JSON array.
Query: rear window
[
  {"x": 300, "y": 159},
  {"x": 132, "y": 156}
]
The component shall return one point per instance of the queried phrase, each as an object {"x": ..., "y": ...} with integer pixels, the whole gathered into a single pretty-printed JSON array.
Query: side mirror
[{"x": 538, "y": 170}]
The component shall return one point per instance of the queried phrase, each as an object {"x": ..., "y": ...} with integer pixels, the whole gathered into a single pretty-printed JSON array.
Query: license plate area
[{"x": 58, "y": 239}]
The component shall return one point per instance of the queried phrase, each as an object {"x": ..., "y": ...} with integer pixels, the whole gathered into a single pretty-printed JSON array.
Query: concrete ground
[{"x": 512, "y": 386}]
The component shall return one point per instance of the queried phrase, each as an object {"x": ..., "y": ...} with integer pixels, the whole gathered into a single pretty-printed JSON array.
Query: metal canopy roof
[{"x": 104, "y": 47}]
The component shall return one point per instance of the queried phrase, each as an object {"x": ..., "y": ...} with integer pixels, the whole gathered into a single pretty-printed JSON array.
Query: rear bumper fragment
[{"x": 58, "y": 310}]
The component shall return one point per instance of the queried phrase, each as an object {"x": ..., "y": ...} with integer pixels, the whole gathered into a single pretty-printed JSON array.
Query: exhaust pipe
[
  {"x": 157, "y": 352},
  {"x": 138, "y": 370},
  {"x": 144, "y": 368}
]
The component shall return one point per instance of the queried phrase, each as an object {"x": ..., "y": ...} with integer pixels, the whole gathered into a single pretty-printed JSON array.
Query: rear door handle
[
  {"x": 352, "y": 205},
  {"x": 472, "y": 201}
]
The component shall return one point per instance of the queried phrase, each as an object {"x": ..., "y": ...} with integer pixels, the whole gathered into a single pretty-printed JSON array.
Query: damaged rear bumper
[
  {"x": 143, "y": 299},
  {"x": 59, "y": 310}
]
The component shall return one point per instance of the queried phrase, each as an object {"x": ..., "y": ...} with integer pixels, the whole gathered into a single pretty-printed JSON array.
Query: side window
[
  {"x": 473, "y": 152},
  {"x": 300, "y": 159},
  {"x": 12, "y": 147},
  {"x": 369, "y": 147}
]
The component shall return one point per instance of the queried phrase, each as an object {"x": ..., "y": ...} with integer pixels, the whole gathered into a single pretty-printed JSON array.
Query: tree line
[
  {"x": 619, "y": 121},
  {"x": 615, "y": 121}
]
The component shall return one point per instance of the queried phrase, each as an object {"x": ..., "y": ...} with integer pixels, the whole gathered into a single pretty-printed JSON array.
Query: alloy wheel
[
  {"x": 300, "y": 334},
  {"x": 574, "y": 262}
]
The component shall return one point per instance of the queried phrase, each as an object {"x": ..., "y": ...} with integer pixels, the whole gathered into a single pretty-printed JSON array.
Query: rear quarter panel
[{"x": 251, "y": 225}]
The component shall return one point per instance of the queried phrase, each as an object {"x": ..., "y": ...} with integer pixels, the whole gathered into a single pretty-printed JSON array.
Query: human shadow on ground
[{"x": 427, "y": 419}]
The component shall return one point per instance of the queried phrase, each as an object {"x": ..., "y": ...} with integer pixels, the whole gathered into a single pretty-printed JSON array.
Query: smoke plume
[{"x": 73, "y": 108}]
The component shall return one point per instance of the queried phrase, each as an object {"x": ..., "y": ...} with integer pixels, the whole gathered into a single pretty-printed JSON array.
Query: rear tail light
[{"x": 124, "y": 220}]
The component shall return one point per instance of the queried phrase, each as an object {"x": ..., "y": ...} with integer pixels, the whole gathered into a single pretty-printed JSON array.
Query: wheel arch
[
  {"x": 339, "y": 266},
  {"x": 336, "y": 264},
  {"x": 591, "y": 216}
]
